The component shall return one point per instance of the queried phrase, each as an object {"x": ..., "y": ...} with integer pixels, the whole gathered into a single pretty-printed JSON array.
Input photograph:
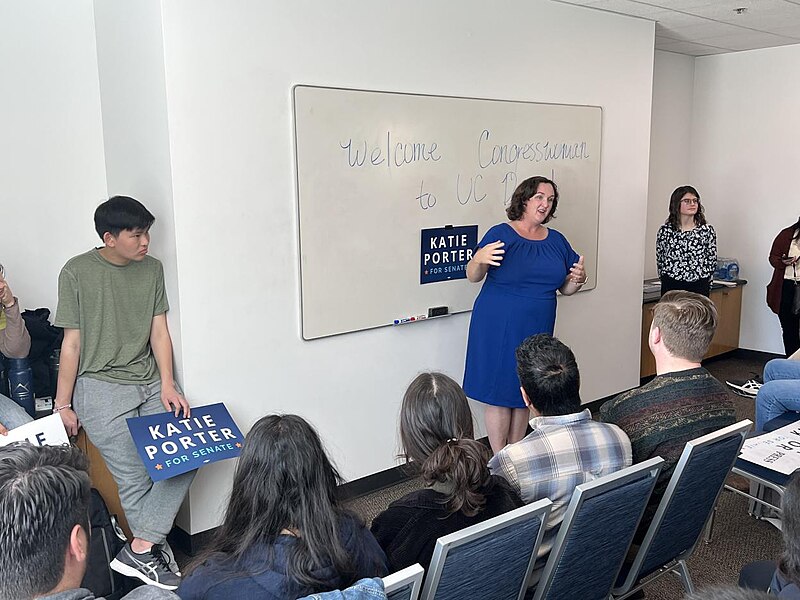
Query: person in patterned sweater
[{"x": 683, "y": 401}]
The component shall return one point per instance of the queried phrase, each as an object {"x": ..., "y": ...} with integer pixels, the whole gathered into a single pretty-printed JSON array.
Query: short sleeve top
[{"x": 529, "y": 267}]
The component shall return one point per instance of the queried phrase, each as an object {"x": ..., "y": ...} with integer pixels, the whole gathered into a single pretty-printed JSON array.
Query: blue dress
[{"x": 517, "y": 300}]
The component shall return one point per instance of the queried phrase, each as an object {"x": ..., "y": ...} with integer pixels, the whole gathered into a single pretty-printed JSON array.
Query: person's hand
[
  {"x": 789, "y": 260},
  {"x": 6, "y": 297},
  {"x": 174, "y": 401},
  {"x": 3, "y": 429},
  {"x": 577, "y": 274},
  {"x": 490, "y": 254},
  {"x": 70, "y": 420}
]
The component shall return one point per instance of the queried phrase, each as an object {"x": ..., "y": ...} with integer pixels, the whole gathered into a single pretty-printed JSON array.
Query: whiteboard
[{"x": 375, "y": 168}]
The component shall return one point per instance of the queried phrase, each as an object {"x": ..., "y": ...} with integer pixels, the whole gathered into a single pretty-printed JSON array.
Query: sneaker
[
  {"x": 152, "y": 567},
  {"x": 748, "y": 389},
  {"x": 173, "y": 564}
]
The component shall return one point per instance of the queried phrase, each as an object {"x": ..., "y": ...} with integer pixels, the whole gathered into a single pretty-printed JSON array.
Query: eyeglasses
[{"x": 690, "y": 201}]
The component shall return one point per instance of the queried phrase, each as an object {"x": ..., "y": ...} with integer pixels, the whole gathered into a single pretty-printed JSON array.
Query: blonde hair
[{"x": 687, "y": 322}]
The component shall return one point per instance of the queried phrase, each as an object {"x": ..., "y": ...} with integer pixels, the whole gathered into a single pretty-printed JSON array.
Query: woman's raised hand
[{"x": 490, "y": 254}]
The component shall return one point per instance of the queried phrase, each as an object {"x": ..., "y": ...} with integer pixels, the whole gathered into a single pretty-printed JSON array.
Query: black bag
[
  {"x": 45, "y": 338},
  {"x": 107, "y": 539},
  {"x": 796, "y": 299}
]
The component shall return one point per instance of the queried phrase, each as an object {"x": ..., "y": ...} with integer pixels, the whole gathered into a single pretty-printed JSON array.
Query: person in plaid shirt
[{"x": 566, "y": 447}]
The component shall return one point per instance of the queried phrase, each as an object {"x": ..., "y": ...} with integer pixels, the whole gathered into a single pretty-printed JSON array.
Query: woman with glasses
[
  {"x": 782, "y": 288},
  {"x": 686, "y": 246}
]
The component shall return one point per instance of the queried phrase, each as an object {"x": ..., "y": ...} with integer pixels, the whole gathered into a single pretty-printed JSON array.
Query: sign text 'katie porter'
[{"x": 170, "y": 445}]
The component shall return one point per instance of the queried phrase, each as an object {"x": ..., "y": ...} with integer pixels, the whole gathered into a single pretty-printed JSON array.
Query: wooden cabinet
[
  {"x": 103, "y": 481},
  {"x": 729, "y": 311}
]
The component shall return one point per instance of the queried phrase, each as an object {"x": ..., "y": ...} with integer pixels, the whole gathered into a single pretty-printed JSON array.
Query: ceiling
[{"x": 702, "y": 27}]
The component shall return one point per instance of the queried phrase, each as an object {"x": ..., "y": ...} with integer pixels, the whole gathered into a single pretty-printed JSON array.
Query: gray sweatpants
[{"x": 103, "y": 408}]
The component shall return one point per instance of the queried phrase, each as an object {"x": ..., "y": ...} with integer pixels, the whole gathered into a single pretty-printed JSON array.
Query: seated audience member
[
  {"x": 783, "y": 578},
  {"x": 436, "y": 433},
  {"x": 284, "y": 535},
  {"x": 44, "y": 525},
  {"x": 566, "y": 447},
  {"x": 780, "y": 392},
  {"x": 15, "y": 342},
  {"x": 683, "y": 401}
]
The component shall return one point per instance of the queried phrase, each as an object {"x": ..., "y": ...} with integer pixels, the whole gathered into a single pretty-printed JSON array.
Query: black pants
[
  {"x": 701, "y": 286},
  {"x": 790, "y": 322}
]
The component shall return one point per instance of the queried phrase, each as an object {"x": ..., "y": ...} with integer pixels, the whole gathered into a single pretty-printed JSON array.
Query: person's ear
[
  {"x": 79, "y": 544},
  {"x": 525, "y": 398},
  {"x": 655, "y": 336},
  {"x": 109, "y": 240}
]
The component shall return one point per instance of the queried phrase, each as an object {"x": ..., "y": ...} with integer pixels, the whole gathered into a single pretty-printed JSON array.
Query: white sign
[
  {"x": 47, "y": 431},
  {"x": 778, "y": 450}
]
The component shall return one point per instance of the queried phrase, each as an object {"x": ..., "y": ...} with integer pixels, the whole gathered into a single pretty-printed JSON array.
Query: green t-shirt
[{"x": 113, "y": 306}]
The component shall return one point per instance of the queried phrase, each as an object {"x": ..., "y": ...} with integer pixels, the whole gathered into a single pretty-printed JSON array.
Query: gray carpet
[{"x": 737, "y": 540}]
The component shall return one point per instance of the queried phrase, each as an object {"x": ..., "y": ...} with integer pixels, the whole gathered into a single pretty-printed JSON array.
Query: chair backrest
[
  {"x": 404, "y": 584},
  {"x": 492, "y": 559},
  {"x": 596, "y": 533},
  {"x": 688, "y": 501}
]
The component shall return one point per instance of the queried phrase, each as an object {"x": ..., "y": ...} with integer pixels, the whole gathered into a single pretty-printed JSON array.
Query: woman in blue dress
[{"x": 524, "y": 264}]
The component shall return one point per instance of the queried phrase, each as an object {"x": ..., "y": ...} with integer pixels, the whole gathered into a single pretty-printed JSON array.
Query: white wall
[
  {"x": 670, "y": 142},
  {"x": 745, "y": 156},
  {"x": 52, "y": 172},
  {"x": 230, "y": 67},
  {"x": 130, "y": 55},
  {"x": 207, "y": 143}
]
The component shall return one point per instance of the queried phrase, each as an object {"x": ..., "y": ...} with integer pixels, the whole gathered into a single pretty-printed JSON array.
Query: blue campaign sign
[
  {"x": 445, "y": 252},
  {"x": 171, "y": 445}
]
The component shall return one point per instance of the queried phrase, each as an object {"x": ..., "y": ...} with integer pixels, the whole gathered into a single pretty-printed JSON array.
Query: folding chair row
[{"x": 493, "y": 560}]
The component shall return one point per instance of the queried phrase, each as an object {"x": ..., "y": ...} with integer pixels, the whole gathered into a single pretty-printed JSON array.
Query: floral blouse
[{"x": 686, "y": 255}]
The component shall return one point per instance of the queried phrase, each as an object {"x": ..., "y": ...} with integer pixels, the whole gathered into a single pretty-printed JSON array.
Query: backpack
[
  {"x": 106, "y": 540},
  {"x": 44, "y": 339}
]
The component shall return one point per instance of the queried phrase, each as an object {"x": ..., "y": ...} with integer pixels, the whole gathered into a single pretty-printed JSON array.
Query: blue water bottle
[{"x": 20, "y": 384}]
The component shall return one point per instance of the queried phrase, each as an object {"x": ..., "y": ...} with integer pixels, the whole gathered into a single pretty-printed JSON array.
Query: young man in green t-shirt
[{"x": 116, "y": 363}]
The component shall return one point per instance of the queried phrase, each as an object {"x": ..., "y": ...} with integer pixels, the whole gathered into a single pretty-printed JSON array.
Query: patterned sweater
[
  {"x": 662, "y": 415},
  {"x": 686, "y": 255}
]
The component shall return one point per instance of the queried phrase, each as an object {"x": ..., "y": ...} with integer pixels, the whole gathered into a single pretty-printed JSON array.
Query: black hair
[
  {"x": 437, "y": 435},
  {"x": 524, "y": 192},
  {"x": 549, "y": 375},
  {"x": 674, "y": 218},
  {"x": 796, "y": 226},
  {"x": 789, "y": 561},
  {"x": 44, "y": 493},
  {"x": 284, "y": 481},
  {"x": 121, "y": 213}
]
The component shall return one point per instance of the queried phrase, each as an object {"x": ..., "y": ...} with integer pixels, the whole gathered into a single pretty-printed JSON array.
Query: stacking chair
[
  {"x": 404, "y": 584},
  {"x": 491, "y": 560},
  {"x": 596, "y": 533},
  {"x": 681, "y": 515}
]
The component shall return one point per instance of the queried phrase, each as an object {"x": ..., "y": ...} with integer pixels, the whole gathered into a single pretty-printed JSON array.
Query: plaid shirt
[{"x": 559, "y": 454}]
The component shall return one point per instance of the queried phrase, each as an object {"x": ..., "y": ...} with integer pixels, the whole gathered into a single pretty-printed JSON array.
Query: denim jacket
[{"x": 364, "y": 589}]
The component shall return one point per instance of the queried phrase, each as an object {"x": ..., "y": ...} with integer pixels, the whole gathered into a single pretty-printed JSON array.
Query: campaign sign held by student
[
  {"x": 171, "y": 445},
  {"x": 47, "y": 431}
]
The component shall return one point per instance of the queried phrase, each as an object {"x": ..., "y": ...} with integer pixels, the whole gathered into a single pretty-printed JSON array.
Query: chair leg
[
  {"x": 686, "y": 579},
  {"x": 710, "y": 525}
]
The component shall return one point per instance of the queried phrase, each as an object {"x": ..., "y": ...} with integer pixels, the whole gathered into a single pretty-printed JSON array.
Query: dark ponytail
[{"x": 437, "y": 435}]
